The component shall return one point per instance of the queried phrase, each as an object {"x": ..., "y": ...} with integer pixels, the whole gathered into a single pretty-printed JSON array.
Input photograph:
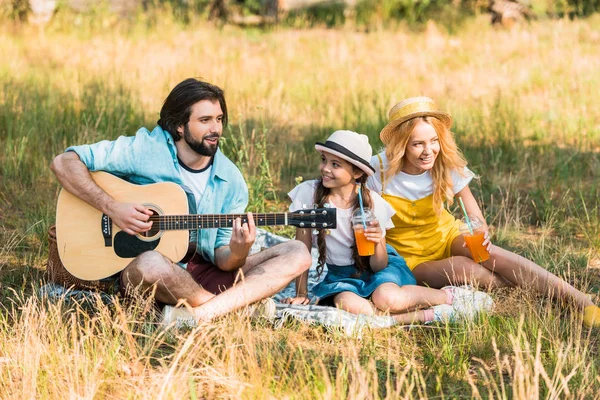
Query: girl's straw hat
[
  {"x": 350, "y": 146},
  {"x": 412, "y": 108}
]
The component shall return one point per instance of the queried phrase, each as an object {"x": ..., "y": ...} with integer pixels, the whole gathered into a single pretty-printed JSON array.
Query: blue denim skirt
[{"x": 344, "y": 278}]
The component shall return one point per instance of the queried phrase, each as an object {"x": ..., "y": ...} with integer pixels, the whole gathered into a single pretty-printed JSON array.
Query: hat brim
[
  {"x": 386, "y": 133},
  {"x": 347, "y": 155}
]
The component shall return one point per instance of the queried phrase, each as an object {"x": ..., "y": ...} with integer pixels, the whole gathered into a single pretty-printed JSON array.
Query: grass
[{"x": 526, "y": 117}]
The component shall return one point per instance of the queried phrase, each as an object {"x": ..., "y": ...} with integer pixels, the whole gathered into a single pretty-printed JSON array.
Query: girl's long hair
[
  {"x": 449, "y": 158},
  {"x": 321, "y": 195}
]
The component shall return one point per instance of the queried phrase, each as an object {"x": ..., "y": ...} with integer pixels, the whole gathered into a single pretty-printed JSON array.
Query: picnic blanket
[{"x": 330, "y": 317}]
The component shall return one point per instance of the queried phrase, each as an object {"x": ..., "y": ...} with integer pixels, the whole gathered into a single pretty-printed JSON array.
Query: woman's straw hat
[
  {"x": 412, "y": 108},
  {"x": 350, "y": 146}
]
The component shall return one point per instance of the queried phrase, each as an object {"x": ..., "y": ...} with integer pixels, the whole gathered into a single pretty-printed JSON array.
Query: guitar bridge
[{"x": 106, "y": 226}]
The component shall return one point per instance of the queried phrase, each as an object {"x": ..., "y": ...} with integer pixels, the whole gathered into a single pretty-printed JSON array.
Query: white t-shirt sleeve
[
  {"x": 302, "y": 196},
  {"x": 459, "y": 182},
  {"x": 383, "y": 212},
  {"x": 374, "y": 181}
]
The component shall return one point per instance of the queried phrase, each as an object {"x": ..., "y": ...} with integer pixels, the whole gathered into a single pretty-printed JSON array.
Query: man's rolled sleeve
[{"x": 115, "y": 156}]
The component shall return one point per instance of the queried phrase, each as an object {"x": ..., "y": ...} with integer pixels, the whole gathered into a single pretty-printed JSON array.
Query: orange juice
[
  {"x": 475, "y": 245},
  {"x": 364, "y": 246}
]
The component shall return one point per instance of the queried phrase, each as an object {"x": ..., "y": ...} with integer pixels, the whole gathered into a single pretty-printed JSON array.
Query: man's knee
[
  {"x": 148, "y": 268},
  {"x": 301, "y": 257}
]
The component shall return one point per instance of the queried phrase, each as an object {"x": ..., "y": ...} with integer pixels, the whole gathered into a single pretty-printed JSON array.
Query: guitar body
[
  {"x": 89, "y": 254},
  {"x": 91, "y": 247}
]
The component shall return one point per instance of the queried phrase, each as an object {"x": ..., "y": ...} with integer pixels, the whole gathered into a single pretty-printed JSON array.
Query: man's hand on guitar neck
[
  {"x": 131, "y": 218},
  {"x": 242, "y": 237},
  {"x": 232, "y": 257}
]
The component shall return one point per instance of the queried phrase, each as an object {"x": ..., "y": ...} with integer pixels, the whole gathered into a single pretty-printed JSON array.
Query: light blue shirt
[{"x": 151, "y": 157}]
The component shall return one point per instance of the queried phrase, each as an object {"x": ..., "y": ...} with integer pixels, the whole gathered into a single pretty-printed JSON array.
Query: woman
[{"x": 420, "y": 170}]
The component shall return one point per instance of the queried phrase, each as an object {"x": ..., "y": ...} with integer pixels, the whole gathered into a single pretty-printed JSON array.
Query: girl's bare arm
[
  {"x": 305, "y": 236},
  {"x": 379, "y": 260}
]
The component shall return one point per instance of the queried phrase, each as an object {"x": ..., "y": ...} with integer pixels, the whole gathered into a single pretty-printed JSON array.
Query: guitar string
[
  {"x": 174, "y": 221},
  {"x": 225, "y": 216},
  {"x": 175, "y": 218}
]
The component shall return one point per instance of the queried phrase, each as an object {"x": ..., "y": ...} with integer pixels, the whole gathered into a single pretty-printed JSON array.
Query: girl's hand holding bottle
[{"x": 374, "y": 232}]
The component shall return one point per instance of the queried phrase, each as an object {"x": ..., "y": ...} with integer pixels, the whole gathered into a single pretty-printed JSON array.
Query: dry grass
[{"x": 525, "y": 106}]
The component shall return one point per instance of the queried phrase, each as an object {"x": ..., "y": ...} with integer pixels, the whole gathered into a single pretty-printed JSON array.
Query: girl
[
  {"x": 420, "y": 170},
  {"x": 383, "y": 277}
]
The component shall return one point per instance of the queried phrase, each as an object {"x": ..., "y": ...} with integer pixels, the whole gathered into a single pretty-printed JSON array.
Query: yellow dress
[{"x": 419, "y": 234}]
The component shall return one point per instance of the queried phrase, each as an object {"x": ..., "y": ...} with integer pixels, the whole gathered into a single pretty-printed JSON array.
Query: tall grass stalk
[{"x": 56, "y": 349}]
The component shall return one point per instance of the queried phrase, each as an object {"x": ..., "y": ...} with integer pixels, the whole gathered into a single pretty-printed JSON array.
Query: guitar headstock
[{"x": 313, "y": 218}]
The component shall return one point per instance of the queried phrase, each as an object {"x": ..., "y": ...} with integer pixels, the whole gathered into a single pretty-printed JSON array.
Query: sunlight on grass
[{"x": 526, "y": 116}]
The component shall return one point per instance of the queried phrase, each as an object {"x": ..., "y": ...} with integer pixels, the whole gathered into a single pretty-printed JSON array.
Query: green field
[{"x": 525, "y": 103}]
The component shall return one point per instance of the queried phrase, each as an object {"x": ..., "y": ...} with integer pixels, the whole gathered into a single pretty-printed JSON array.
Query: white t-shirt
[
  {"x": 412, "y": 187},
  {"x": 195, "y": 179},
  {"x": 340, "y": 240}
]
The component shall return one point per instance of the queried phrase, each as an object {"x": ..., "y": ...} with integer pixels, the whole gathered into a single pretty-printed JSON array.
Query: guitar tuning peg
[
  {"x": 326, "y": 205},
  {"x": 327, "y": 232},
  {"x": 315, "y": 232},
  {"x": 315, "y": 206},
  {"x": 304, "y": 205}
]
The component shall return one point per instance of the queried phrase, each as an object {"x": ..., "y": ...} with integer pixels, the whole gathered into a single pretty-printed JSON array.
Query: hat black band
[{"x": 341, "y": 149}]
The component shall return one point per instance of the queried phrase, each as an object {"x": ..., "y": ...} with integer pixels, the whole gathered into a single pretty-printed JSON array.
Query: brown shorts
[{"x": 209, "y": 276}]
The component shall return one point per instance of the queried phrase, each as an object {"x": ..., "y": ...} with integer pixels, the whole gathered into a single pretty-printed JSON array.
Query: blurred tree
[
  {"x": 508, "y": 12},
  {"x": 41, "y": 11}
]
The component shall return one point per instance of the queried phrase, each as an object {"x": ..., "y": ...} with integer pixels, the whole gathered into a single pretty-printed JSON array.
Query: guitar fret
[{"x": 303, "y": 218}]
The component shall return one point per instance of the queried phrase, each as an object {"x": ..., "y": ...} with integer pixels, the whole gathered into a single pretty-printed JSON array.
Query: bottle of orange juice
[
  {"x": 360, "y": 219},
  {"x": 475, "y": 240}
]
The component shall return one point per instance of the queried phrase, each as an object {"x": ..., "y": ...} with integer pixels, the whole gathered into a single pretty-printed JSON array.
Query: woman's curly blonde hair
[{"x": 449, "y": 158}]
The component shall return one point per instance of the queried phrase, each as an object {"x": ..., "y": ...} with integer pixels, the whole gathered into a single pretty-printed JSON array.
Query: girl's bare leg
[
  {"x": 355, "y": 304},
  {"x": 395, "y": 299},
  {"x": 410, "y": 317}
]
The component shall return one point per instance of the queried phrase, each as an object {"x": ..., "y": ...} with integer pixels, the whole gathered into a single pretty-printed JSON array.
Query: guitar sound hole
[{"x": 155, "y": 227}]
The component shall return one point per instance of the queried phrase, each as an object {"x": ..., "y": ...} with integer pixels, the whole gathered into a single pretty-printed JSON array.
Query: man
[{"x": 184, "y": 148}]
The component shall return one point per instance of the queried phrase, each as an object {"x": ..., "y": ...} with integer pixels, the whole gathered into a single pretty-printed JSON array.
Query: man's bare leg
[
  {"x": 263, "y": 275},
  {"x": 172, "y": 282}
]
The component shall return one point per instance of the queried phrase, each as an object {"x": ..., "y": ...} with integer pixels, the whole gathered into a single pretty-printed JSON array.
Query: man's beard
[{"x": 200, "y": 147}]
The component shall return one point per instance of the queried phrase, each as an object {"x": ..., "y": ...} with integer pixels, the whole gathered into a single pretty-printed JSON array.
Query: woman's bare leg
[
  {"x": 457, "y": 270},
  {"x": 521, "y": 271}
]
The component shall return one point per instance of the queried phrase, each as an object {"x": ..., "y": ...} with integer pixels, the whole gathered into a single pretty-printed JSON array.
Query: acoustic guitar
[{"x": 91, "y": 247}]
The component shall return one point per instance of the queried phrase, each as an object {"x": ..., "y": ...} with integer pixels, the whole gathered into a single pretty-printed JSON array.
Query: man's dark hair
[{"x": 177, "y": 107}]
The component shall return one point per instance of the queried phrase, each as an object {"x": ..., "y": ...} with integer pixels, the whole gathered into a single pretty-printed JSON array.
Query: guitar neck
[{"x": 206, "y": 221}]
